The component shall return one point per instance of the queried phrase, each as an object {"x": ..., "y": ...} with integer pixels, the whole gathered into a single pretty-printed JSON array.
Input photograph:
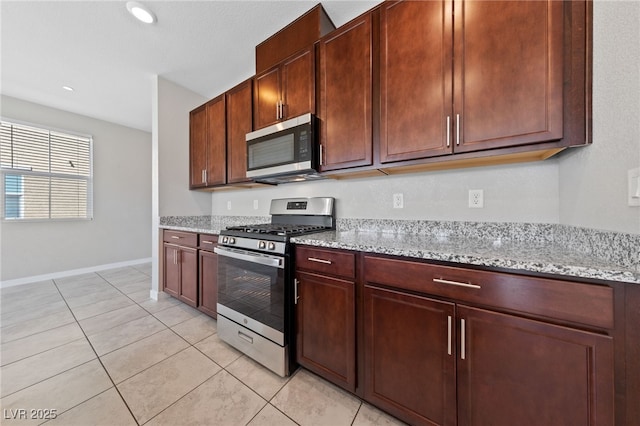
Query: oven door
[{"x": 251, "y": 291}]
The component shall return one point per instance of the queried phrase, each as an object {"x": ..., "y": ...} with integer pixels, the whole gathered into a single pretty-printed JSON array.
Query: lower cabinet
[
  {"x": 190, "y": 269},
  {"x": 443, "y": 362},
  {"x": 409, "y": 357},
  {"x": 439, "y": 345},
  {"x": 207, "y": 275},
  {"x": 505, "y": 370},
  {"x": 325, "y": 315},
  {"x": 180, "y": 273},
  {"x": 516, "y": 371}
]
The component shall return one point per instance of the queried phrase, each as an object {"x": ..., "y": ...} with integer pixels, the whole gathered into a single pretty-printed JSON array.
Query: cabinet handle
[
  {"x": 206, "y": 175},
  {"x": 462, "y": 340},
  {"x": 448, "y": 131},
  {"x": 468, "y": 285},
  {"x": 245, "y": 337},
  {"x": 175, "y": 257},
  {"x": 277, "y": 110},
  {"x": 295, "y": 291},
  {"x": 449, "y": 334},
  {"x": 457, "y": 129},
  {"x": 321, "y": 155},
  {"x": 202, "y": 176},
  {"x": 314, "y": 259},
  {"x": 206, "y": 242},
  {"x": 175, "y": 237}
]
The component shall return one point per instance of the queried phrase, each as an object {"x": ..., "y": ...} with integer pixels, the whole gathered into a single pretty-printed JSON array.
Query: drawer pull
[
  {"x": 468, "y": 285},
  {"x": 245, "y": 337},
  {"x": 206, "y": 242},
  {"x": 314, "y": 259},
  {"x": 175, "y": 237}
]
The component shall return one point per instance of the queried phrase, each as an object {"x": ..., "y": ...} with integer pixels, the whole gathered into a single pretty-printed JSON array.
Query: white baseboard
[
  {"x": 153, "y": 294},
  {"x": 71, "y": 272}
]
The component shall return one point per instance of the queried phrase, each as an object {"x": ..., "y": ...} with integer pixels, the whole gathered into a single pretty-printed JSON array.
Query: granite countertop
[
  {"x": 559, "y": 250},
  {"x": 539, "y": 257}
]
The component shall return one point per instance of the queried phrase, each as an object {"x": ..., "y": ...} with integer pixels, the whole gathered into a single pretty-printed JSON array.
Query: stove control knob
[
  {"x": 262, "y": 245},
  {"x": 225, "y": 240},
  {"x": 232, "y": 240},
  {"x": 272, "y": 246}
]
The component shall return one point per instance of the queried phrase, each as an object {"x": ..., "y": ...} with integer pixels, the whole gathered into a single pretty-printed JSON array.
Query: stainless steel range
[{"x": 255, "y": 280}]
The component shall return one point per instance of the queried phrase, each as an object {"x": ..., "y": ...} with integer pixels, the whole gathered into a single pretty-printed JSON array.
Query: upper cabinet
[
  {"x": 286, "y": 90},
  {"x": 508, "y": 71},
  {"x": 207, "y": 144},
  {"x": 416, "y": 54},
  {"x": 345, "y": 104},
  {"x": 471, "y": 76},
  {"x": 411, "y": 86},
  {"x": 217, "y": 129},
  {"x": 239, "y": 123}
]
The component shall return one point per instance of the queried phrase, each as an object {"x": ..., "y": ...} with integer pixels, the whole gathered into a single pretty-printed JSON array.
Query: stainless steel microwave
[{"x": 284, "y": 152}]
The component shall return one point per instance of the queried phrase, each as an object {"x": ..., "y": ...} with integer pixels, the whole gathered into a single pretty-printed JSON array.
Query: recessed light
[
  {"x": 68, "y": 88},
  {"x": 141, "y": 12}
]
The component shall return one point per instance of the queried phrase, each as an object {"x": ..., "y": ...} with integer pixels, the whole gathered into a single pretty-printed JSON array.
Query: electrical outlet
[
  {"x": 398, "y": 201},
  {"x": 476, "y": 198},
  {"x": 255, "y": 204},
  {"x": 228, "y": 205}
]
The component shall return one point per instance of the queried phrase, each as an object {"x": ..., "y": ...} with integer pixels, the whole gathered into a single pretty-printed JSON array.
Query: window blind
[{"x": 46, "y": 174}]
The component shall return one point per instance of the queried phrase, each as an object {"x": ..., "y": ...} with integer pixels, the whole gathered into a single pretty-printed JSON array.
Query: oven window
[{"x": 254, "y": 290}]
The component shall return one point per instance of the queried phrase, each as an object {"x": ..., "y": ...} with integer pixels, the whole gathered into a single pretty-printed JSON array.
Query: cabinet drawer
[
  {"x": 325, "y": 261},
  {"x": 557, "y": 299},
  {"x": 207, "y": 241},
  {"x": 187, "y": 239}
]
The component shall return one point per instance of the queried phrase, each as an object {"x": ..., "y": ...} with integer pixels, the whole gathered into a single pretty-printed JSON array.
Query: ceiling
[{"x": 110, "y": 58}]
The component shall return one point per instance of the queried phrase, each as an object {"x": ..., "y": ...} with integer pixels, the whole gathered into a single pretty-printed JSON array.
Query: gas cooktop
[{"x": 277, "y": 229}]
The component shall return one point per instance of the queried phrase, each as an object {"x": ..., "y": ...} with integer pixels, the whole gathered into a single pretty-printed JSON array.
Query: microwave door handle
[{"x": 261, "y": 260}]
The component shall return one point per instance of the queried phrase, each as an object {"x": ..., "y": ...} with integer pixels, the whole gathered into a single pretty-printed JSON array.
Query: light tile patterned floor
[{"x": 97, "y": 350}]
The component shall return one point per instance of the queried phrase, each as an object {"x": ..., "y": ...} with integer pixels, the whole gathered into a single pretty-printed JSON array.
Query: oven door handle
[{"x": 260, "y": 259}]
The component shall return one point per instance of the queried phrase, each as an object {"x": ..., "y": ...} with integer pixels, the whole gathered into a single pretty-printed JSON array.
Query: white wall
[
  {"x": 593, "y": 181},
  {"x": 512, "y": 193},
  {"x": 173, "y": 105},
  {"x": 120, "y": 230}
]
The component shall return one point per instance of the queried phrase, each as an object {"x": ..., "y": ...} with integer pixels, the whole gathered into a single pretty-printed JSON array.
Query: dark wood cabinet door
[
  {"x": 239, "y": 123},
  {"x": 346, "y": 58},
  {"x": 515, "y": 371},
  {"x": 217, "y": 141},
  {"x": 298, "y": 84},
  {"x": 197, "y": 147},
  {"x": 410, "y": 356},
  {"x": 267, "y": 95},
  {"x": 416, "y": 48},
  {"x": 508, "y": 73},
  {"x": 188, "y": 258},
  {"x": 208, "y": 282},
  {"x": 325, "y": 315},
  {"x": 171, "y": 270}
]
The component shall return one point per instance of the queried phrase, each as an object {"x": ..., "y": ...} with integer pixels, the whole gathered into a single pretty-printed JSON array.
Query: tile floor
[{"x": 95, "y": 350}]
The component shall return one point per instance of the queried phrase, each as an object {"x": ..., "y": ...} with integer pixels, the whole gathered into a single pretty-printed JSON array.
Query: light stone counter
[
  {"x": 560, "y": 250},
  {"x": 539, "y": 248}
]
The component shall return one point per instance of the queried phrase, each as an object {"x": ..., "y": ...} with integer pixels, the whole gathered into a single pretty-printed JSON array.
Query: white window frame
[{"x": 22, "y": 172}]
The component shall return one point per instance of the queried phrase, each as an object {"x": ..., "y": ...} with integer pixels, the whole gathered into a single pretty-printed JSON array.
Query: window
[{"x": 46, "y": 174}]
